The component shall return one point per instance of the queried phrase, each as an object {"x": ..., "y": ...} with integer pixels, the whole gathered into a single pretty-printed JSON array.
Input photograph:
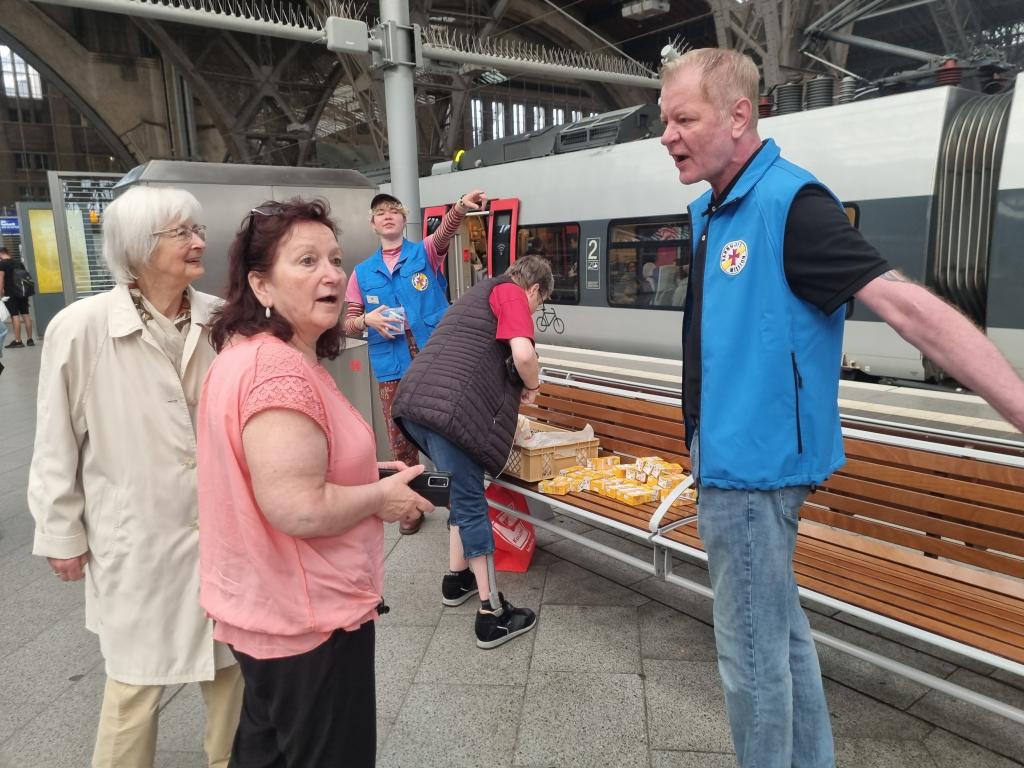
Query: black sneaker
[
  {"x": 15, "y": 345},
  {"x": 493, "y": 628},
  {"x": 457, "y": 588},
  {"x": 30, "y": 343}
]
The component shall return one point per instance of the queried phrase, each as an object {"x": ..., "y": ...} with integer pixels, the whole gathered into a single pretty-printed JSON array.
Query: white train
[{"x": 935, "y": 179}]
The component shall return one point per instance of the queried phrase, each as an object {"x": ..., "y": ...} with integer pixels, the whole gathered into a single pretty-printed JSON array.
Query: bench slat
[
  {"x": 935, "y": 484},
  {"x": 620, "y": 402},
  {"x": 923, "y": 622},
  {"x": 896, "y": 604},
  {"x": 928, "y": 595},
  {"x": 652, "y": 424},
  {"x": 950, "y": 573},
  {"x": 939, "y": 547},
  {"x": 985, "y": 472},
  {"x": 604, "y": 430},
  {"x": 956, "y": 510},
  {"x": 928, "y": 524}
]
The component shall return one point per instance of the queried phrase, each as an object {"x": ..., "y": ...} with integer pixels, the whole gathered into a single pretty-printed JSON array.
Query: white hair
[{"x": 130, "y": 221}]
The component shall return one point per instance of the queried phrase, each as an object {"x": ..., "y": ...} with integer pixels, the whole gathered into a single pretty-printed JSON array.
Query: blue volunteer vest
[
  {"x": 769, "y": 412},
  {"x": 413, "y": 285}
]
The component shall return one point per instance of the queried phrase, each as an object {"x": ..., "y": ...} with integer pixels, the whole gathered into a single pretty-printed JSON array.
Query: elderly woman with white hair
[{"x": 112, "y": 485}]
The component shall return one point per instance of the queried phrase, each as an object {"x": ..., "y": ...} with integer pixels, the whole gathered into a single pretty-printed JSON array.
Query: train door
[{"x": 484, "y": 244}]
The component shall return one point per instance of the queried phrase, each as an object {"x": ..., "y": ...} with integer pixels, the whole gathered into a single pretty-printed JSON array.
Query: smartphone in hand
[{"x": 434, "y": 486}]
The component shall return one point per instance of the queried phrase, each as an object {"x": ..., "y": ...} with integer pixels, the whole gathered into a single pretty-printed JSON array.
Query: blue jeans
[
  {"x": 468, "y": 505},
  {"x": 766, "y": 656}
]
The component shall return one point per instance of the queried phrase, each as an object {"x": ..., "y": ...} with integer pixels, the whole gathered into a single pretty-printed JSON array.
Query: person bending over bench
[{"x": 459, "y": 403}]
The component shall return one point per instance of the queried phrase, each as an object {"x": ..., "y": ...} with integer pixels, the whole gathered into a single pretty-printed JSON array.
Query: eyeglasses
[
  {"x": 183, "y": 234},
  {"x": 263, "y": 210}
]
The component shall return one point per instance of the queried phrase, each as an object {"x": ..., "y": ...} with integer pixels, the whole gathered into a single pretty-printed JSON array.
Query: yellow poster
[
  {"x": 79, "y": 250},
  {"x": 44, "y": 247}
]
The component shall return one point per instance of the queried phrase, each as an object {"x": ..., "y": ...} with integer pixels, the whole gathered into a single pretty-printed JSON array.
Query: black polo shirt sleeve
[{"x": 826, "y": 259}]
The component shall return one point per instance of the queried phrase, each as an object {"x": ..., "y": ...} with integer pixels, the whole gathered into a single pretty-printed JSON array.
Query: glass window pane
[
  {"x": 559, "y": 244},
  {"x": 649, "y": 262},
  {"x": 477, "y": 118},
  {"x": 518, "y": 118},
  {"x": 497, "y": 120},
  {"x": 538, "y": 118}
]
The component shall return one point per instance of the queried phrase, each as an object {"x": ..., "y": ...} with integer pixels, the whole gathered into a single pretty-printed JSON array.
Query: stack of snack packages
[{"x": 648, "y": 481}]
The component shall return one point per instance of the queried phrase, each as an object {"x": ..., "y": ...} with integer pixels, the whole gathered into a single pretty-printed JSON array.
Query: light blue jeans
[
  {"x": 766, "y": 656},
  {"x": 468, "y": 508}
]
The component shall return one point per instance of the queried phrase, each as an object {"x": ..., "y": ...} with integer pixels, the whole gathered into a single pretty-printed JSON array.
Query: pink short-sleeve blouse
[{"x": 272, "y": 594}]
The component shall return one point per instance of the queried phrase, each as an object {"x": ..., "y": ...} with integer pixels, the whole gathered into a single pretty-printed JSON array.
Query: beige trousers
[{"x": 128, "y": 721}]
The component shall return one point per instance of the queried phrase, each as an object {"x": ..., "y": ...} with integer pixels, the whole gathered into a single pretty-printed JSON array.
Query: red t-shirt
[{"x": 509, "y": 305}]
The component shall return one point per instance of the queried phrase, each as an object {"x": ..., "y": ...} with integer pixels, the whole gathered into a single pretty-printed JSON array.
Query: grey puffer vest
[{"x": 458, "y": 385}]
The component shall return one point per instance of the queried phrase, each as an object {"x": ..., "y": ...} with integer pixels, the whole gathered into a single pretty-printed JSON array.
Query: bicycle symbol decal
[{"x": 548, "y": 319}]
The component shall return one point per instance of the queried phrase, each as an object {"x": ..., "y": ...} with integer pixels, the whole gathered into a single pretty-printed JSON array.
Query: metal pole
[
  {"x": 877, "y": 45},
  {"x": 400, "y": 103}
]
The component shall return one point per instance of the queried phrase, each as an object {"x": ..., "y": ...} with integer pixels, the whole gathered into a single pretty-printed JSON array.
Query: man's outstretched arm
[{"x": 948, "y": 338}]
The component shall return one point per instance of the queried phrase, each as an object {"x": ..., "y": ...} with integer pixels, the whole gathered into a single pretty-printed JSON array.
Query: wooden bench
[{"x": 920, "y": 536}]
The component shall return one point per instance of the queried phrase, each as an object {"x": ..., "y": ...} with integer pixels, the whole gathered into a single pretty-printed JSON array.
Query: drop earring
[{"x": 267, "y": 313}]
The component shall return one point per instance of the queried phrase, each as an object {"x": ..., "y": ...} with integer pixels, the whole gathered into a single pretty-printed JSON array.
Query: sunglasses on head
[{"x": 262, "y": 210}]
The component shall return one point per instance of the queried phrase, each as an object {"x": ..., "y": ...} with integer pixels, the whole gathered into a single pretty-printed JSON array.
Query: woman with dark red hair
[{"x": 291, "y": 542}]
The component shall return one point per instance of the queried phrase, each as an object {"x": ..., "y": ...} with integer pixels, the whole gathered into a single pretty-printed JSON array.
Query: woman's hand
[
  {"x": 400, "y": 501},
  {"x": 70, "y": 569},
  {"x": 528, "y": 396},
  {"x": 398, "y": 466},
  {"x": 385, "y": 326}
]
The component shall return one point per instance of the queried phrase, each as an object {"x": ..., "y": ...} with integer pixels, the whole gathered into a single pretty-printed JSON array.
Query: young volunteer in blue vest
[
  {"x": 408, "y": 277},
  {"x": 775, "y": 262}
]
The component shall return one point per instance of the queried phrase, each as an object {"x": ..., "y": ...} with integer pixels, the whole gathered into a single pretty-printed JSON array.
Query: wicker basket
[{"x": 535, "y": 464}]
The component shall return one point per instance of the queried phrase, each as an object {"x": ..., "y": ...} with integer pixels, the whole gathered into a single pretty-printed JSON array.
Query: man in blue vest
[{"x": 775, "y": 261}]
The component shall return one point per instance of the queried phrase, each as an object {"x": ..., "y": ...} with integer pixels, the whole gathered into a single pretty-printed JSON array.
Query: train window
[
  {"x": 501, "y": 239},
  {"x": 648, "y": 262},
  {"x": 477, "y": 239},
  {"x": 559, "y": 244}
]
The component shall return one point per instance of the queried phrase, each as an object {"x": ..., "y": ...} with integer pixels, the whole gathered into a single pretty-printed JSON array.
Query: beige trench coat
[{"x": 114, "y": 472}]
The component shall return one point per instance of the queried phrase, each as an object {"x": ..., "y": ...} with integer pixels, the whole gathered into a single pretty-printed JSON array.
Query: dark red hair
[{"x": 254, "y": 249}]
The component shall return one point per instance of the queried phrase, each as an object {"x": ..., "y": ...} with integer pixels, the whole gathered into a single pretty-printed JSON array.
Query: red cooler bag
[{"x": 514, "y": 539}]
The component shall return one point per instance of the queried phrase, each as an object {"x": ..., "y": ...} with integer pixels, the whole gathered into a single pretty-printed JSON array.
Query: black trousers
[{"x": 314, "y": 710}]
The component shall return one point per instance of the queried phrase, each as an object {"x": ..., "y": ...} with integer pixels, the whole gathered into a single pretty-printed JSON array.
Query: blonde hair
[
  {"x": 387, "y": 206},
  {"x": 726, "y": 76}
]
